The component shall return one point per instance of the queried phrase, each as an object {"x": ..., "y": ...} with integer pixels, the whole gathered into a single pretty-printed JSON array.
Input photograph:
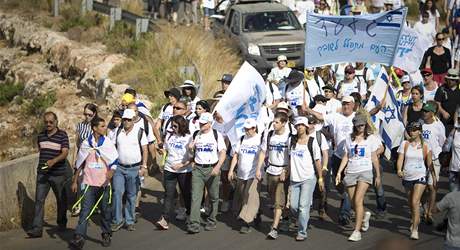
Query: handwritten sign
[
  {"x": 411, "y": 48},
  {"x": 364, "y": 38}
]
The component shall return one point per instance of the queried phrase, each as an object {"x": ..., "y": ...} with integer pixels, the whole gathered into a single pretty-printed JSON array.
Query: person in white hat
[
  {"x": 245, "y": 155},
  {"x": 403, "y": 96},
  {"x": 279, "y": 72},
  {"x": 284, "y": 108},
  {"x": 314, "y": 83},
  {"x": 189, "y": 91}
]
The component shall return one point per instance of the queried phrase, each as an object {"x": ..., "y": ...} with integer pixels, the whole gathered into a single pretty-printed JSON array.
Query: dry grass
[
  {"x": 154, "y": 67},
  {"x": 133, "y": 6}
]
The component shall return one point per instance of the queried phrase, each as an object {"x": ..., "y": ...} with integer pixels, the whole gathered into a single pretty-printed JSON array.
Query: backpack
[
  {"x": 139, "y": 137},
  {"x": 213, "y": 131},
  {"x": 309, "y": 146},
  {"x": 163, "y": 109},
  {"x": 270, "y": 124},
  {"x": 261, "y": 138}
]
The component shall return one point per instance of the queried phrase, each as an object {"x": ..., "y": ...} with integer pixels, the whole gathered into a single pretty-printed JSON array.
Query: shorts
[
  {"x": 408, "y": 185},
  {"x": 276, "y": 190},
  {"x": 437, "y": 169},
  {"x": 351, "y": 179},
  {"x": 208, "y": 12}
]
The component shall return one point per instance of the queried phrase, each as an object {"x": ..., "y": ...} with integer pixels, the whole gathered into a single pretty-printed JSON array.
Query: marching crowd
[{"x": 317, "y": 130}]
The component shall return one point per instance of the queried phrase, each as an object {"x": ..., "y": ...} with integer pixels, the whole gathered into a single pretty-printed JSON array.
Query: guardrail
[{"x": 115, "y": 13}]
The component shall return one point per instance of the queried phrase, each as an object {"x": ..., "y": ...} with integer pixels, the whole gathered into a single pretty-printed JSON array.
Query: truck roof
[{"x": 259, "y": 7}]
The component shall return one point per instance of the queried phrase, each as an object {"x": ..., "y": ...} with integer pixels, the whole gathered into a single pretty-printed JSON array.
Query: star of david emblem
[{"x": 389, "y": 113}]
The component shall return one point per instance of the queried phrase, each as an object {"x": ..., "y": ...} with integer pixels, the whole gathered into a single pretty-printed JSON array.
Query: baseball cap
[
  {"x": 281, "y": 58},
  {"x": 429, "y": 107},
  {"x": 174, "y": 92},
  {"x": 348, "y": 99},
  {"x": 127, "y": 98},
  {"x": 399, "y": 72},
  {"x": 359, "y": 120},
  {"x": 128, "y": 114},
  {"x": 226, "y": 78},
  {"x": 405, "y": 78},
  {"x": 426, "y": 70},
  {"x": 349, "y": 69},
  {"x": 452, "y": 74},
  {"x": 329, "y": 87},
  {"x": 414, "y": 126},
  {"x": 320, "y": 98},
  {"x": 250, "y": 123},
  {"x": 205, "y": 118},
  {"x": 301, "y": 120}
]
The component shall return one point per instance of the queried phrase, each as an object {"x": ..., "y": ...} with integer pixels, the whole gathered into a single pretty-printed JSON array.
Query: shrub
[
  {"x": 8, "y": 91},
  {"x": 40, "y": 103}
]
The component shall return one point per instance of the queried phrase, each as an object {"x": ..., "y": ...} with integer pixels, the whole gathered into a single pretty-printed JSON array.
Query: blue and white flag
[
  {"x": 242, "y": 100},
  {"x": 411, "y": 48},
  {"x": 391, "y": 127},
  {"x": 364, "y": 38}
]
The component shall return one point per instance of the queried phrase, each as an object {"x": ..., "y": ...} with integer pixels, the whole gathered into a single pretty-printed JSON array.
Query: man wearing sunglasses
[
  {"x": 351, "y": 84},
  {"x": 430, "y": 86},
  {"x": 448, "y": 99}
]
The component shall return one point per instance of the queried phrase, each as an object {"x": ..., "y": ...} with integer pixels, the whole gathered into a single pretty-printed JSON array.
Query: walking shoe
[
  {"x": 210, "y": 226},
  {"x": 77, "y": 242},
  {"x": 300, "y": 237},
  {"x": 116, "y": 227},
  {"x": 35, "y": 233},
  {"x": 355, "y": 236},
  {"x": 365, "y": 225},
  {"x": 225, "y": 206},
  {"x": 130, "y": 227},
  {"x": 181, "y": 214},
  {"x": 193, "y": 229},
  {"x": 414, "y": 235},
  {"x": 162, "y": 224},
  {"x": 245, "y": 228},
  {"x": 273, "y": 234},
  {"x": 75, "y": 211},
  {"x": 381, "y": 215},
  {"x": 106, "y": 239}
]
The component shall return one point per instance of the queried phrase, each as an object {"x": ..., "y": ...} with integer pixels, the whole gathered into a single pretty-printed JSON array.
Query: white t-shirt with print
[
  {"x": 248, "y": 155},
  {"x": 347, "y": 88},
  {"x": 360, "y": 154},
  {"x": 301, "y": 164},
  {"x": 207, "y": 148},
  {"x": 414, "y": 164},
  {"x": 276, "y": 74},
  {"x": 428, "y": 95},
  {"x": 276, "y": 150},
  {"x": 333, "y": 105},
  {"x": 295, "y": 97},
  {"x": 434, "y": 135},
  {"x": 178, "y": 152},
  {"x": 342, "y": 127}
]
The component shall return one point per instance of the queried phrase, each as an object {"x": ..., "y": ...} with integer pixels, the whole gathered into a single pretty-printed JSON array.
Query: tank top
[{"x": 412, "y": 115}]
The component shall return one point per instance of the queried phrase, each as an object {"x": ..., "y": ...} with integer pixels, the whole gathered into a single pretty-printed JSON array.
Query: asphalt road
[{"x": 321, "y": 235}]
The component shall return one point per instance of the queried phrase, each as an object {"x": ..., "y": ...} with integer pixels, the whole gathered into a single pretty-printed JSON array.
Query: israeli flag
[{"x": 392, "y": 127}]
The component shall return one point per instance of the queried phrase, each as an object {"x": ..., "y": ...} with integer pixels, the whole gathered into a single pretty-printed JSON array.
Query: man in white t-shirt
[
  {"x": 209, "y": 155},
  {"x": 342, "y": 126},
  {"x": 278, "y": 73},
  {"x": 351, "y": 84},
  {"x": 295, "y": 95},
  {"x": 332, "y": 105},
  {"x": 313, "y": 82}
]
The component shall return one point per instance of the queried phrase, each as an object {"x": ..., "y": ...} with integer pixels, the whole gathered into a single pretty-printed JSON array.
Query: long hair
[
  {"x": 367, "y": 132},
  {"x": 92, "y": 107},
  {"x": 419, "y": 89},
  {"x": 182, "y": 124},
  {"x": 432, "y": 9}
]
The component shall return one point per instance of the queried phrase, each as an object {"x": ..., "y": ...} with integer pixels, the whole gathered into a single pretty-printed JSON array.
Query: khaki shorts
[
  {"x": 276, "y": 190},
  {"x": 437, "y": 169}
]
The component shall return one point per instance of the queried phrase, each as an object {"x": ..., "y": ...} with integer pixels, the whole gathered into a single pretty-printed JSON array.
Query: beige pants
[{"x": 246, "y": 200}]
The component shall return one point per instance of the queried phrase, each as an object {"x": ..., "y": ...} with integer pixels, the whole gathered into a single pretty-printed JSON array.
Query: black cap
[
  {"x": 174, "y": 92},
  {"x": 226, "y": 78},
  {"x": 329, "y": 87},
  {"x": 320, "y": 98},
  {"x": 414, "y": 126},
  {"x": 294, "y": 77}
]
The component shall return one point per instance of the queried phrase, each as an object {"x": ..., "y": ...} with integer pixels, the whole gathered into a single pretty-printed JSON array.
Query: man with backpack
[
  {"x": 351, "y": 84},
  {"x": 314, "y": 82},
  {"x": 209, "y": 150},
  {"x": 131, "y": 143},
  {"x": 364, "y": 74}
]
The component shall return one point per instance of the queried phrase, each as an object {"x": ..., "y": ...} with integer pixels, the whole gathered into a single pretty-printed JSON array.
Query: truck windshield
[{"x": 270, "y": 21}]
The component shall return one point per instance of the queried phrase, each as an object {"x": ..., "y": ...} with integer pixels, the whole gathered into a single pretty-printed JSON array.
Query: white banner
[
  {"x": 411, "y": 48},
  {"x": 242, "y": 100}
]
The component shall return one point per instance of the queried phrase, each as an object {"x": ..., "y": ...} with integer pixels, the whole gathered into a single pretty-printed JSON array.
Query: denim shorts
[
  {"x": 208, "y": 11},
  {"x": 411, "y": 184},
  {"x": 352, "y": 179}
]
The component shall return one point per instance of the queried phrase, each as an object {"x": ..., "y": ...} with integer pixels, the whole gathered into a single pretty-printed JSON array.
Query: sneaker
[
  {"x": 273, "y": 234},
  {"x": 210, "y": 226},
  {"x": 300, "y": 237},
  {"x": 191, "y": 229},
  {"x": 355, "y": 236},
  {"x": 116, "y": 227},
  {"x": 130, "y": 227},
  {"x": 106, "y": 239},
  {"x": 162, "y": 224},
  {"x": 225, "y": 206},
  {"x": 181, "y": 214},
  {"x": 76, "y": 211},
  {"x": 35, "y": 233},
  {"x": 77, "y": 242},
  {"x": 429, "y": 220},
  {"x": 365, "y": 225},
  {"x": 245, "y": 228},
  {"x": 414, "y": 235},
  {"x": 202, "y": 210}
]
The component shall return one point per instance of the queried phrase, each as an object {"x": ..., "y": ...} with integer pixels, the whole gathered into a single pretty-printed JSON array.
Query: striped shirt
[
  {"x": 83, "y": 131},
  {"x": 50, "y": 147}
]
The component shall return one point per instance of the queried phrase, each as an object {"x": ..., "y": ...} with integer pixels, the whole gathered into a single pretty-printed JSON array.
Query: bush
[
  {"x": 8, "y": 91},
  {"x": 121, "y": 40},
  {"x": 39, "y": 104}
]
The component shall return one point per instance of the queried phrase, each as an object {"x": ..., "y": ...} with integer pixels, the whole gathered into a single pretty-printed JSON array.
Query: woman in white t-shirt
[
  {"x": 245, "y": 156},
  {"x": 177, "y": 168},
  {"x": 359, "y": 158},
  {"x": 413, "y": 157},
  {"x": 433, "y": 13},
  {"x": 305, "y": 161},
  {"x": 453, "y": 143}
]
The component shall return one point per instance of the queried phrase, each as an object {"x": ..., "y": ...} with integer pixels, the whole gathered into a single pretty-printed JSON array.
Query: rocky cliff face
[{"x": 44, "y": 61}]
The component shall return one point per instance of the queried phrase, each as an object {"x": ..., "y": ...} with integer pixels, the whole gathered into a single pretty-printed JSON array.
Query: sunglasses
[
  {"x": 49, "y": 122},
  {"x": 178, "y": 108},
  {"x": 88, "y": 114},
  {"x": 309, "y": 71},
  {"x": 328, "y": 91},
  {"x": 349, "y": 73},
  {"x": 127, "y": 120},
  {"x": 426, "y": 75},
  {"x": 439, "y": 39}
]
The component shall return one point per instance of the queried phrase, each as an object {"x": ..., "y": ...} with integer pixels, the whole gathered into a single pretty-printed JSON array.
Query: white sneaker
[
  {"x": 355, "y": 236},
  {"x": 365, "y": 225},
  {"x": 414, "y": 235},
  {"x": 181, "y": 214},
  {"x": 225, "y": 206}
]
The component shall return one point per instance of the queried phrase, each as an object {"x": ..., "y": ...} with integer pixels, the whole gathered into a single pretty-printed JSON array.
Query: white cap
[
  {"x": 128, "y": 114},
  {"x": 250, "y": 123},
  {"x": 405, "y": 78},
  {"x": 282, "y": 105},
  {"x": 281, "y": 58},
  {"x": 388, "y": 2},
  {"x": 188, "y": 83},
  {"x": 301, "y": 120},
  {"x": 205, "y": 118},
  {"x": 309, "y": 68},
  {"x": 348, "y": 99}
]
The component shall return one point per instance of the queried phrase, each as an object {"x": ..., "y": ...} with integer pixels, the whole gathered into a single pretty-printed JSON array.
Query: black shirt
[
  {"x": 439, "y": 63},
  {"x": 50, "y": 147},
  {"x": 449, "y": 100}
]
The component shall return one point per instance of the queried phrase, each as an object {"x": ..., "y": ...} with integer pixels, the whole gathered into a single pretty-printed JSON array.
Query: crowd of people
[{"x": 316, "y": 131}]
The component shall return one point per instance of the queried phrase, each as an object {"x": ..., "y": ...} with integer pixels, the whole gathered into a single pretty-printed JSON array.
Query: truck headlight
[{"x": 253, "y": 49}]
